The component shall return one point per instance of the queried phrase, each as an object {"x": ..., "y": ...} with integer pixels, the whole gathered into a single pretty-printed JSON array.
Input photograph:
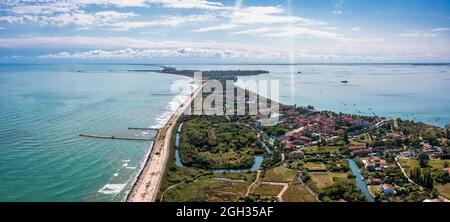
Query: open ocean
[{"x": 43, "y": 108}]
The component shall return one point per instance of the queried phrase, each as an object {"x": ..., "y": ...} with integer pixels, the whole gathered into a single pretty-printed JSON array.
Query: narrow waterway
[{"x": 359, "y": 182}]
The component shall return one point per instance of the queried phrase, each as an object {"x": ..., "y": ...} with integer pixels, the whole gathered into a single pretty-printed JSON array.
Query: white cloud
[
  {"x": 85, "y": 42},
  {"x": 112, "y": 20},
  {"x": 417, "y": 34},
  {"x": 183, "y": 4},
  {"x": 85, "y": 20},
  {"x": 338, "y": 7},
  {"x": 72, "y": 12},
  {"x": 440, "y": 29},
  {"x": 189, "y": 4},
  {"x": 261, "y": 15},
  {"x": 332, "y": 28},
  {"x": 230, "y": 54},
  {"x": 424, "y": 34},
  {"x": 287, "y": 31},
  {"x": 43, "y": 9},
  {"x": 355, "y": 29},
  {"x": 166, "y": 21},
  {"x": 268, "y": 15},
  {"x": 217, "y": 28},
  {"x": 166, "y": 53}
]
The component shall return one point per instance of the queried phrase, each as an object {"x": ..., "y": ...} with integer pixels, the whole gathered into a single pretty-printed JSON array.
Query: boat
[{"x": 344, "y": 81}]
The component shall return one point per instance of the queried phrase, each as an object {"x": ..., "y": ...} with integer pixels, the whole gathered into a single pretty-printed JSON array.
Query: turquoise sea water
[{"x": 43, "y": 108}]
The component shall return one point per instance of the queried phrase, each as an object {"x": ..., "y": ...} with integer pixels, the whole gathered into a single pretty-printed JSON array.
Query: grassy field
[
  {"x": 373, "y": 189},
  {"x": 435, "y": 164},
  {"x": 247, "y": 176},
  {"x": 311, "y": 166},
  {"x": 326, "y": 149},
  {"x": 444, "y": 190},
  {"x": 280, "y": 174},
  {"x": 268, "y": 190},
  {"x": 324, "y": 179},
  {"x": 321, "y": 179},
  {"x": 298, "y": 193},
  {"x": 206, "y": 189},
  {"x": 338, "y": 176}
]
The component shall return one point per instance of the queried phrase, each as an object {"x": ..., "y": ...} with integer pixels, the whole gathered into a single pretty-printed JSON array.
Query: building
[
  {"x": 397, "y": 136},
  {"x": 371, "y": 167},
  {"x": 437, "y": 200},
  {"x": 297, "y": 155},
  {"x": 373, "y": 181},
  {"x": 376, "y": 164},
  {"x": 361, "y": 152},
  {"x": 408, "y": 154},
  {"x": 387, "y": 189},
  {"x": 447, "y": 170}
]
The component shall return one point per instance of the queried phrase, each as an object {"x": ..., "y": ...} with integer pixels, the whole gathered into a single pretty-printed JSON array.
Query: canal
[{"x": 359, "y": 180}]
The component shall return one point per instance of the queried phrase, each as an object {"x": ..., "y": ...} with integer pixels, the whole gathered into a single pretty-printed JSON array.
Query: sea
[{"x": 44, "y": 108}]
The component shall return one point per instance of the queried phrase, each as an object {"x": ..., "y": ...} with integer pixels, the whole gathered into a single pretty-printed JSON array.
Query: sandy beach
[{"x": 147, "y": 185}]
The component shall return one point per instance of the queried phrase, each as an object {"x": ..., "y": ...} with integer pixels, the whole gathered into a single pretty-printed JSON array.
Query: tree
[
  {"x": 423, "y": 159},
  {"x": 422, "y": 177},
  {"x": 346, "y": 137},
  {"x": 427, "y": 180}
]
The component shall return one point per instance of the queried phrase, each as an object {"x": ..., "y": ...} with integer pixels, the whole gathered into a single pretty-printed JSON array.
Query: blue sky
[{"x": 226, "y": 31}]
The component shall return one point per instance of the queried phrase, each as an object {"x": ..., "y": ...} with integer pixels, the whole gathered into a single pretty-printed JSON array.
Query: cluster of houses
[
  {"x": 360, "y": 149},
  {"x": 397, "y": 136},
  {"x": 377, "y": 164},
  {"x": 314, "y": 126},
  {"x": 433, "y": 151}
]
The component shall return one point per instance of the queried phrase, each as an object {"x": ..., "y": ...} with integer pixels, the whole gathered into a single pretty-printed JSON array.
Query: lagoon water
[
  {"x": 43, "y": 108},
  {"x": 413, "y": 92}
]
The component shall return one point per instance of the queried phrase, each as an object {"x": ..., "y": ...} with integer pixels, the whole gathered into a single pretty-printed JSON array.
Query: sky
[{"x": 279, "y": 31}]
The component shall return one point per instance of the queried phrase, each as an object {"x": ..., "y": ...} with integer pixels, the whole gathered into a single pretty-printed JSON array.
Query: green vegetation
[
  {"x": 268, "y": 190},
  {"x": 297, "y": 193},
  {"x": 422, "y": 177},
  {"x": 311, "y": 166},
  {"x": 434, "y": 164},
  {"x": 341, "y": 191},
  {"x": 206, "y": 189},
  {"x": 276, "y": 130},
  {"x": 321, "y": 149},
  {"x": 320, "y": 180},
  {"x": 423, "y": 159},
  {"x": 216, "y": 143},
  {"x": 257, "y": 198},
  {"x": 194, "y": 184},
  {"x": 280, "y": 174},
  {"x": 444, "y": 190}
]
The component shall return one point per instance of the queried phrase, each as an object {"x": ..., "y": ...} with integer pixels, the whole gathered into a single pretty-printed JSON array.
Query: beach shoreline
[{"x": 146, "y": 186}]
